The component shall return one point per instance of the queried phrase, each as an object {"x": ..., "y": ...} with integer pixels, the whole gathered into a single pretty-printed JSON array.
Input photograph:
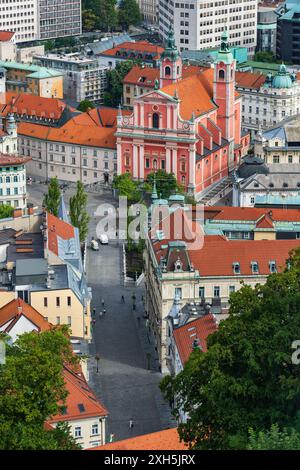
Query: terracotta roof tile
[
  {"x": 57, "y": 228},
  {"x": 251, "y": 213},
  {"x": 24, "y": 103},
  {"x": 150, "y": 74},
  {"x": 7, "y": 159},
  {"x": 15, "y": 309},
  {"x": 143, "y": 47},
  {"x": 6, "y": 35},
  {"x": 161, "y": 440},
  {"x": 250, "y": 80},
  {"x": 199, "y": 329}
]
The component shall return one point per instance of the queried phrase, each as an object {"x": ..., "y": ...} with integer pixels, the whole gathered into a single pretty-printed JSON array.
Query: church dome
[
  {"x": 282, "y": 79},
  {"x": 252, "y": 165}
]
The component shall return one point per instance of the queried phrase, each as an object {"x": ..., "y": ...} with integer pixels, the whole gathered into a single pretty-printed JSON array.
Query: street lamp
[{"x": 97, "y": 357}]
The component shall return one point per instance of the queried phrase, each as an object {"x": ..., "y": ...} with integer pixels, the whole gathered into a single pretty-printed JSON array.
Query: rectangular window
[
  {"x": 275, "y": 158},
  {"x": 178, "y": 292},
  {"x": 95, "y": 429},
  {"x": 77, "y": 431},
  {"x": 57, "y": 301},
  {"x": 202, "y": 292},
  {"x": 45, "y": 302},
  {"x": 231, "y": 289},
  {"x": 69, "y": 321},
  {"x": 216, "y": 291},
  {"x": 58, "y": 320},
  {"x": 69, "y": 301}
]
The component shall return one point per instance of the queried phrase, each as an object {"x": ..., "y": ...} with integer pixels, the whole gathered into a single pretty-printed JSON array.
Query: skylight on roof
[{"x": 81, "y": 407}]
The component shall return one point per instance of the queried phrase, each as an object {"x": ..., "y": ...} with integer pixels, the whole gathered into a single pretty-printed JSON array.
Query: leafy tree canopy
[
  {"x": 115, "y": 77},
  {"x": 31, "y": 385},
  {"x": 52, "y": 198},
  {"x": 5, "y": 211},
  {"x": 78, "y": 211},
  {"x": 128, "y": 14},
  {"x": 84, "y": 105},
  {"x": 126, "y": 186},
  {"x": 274, "y": 439},
  {"x": 246, "y": 379},
  {"x": 166, "y": 183}
]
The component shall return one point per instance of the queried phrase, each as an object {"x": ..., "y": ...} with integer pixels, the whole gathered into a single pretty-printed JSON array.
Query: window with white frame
[
  {"x": 77, "y": 431},
  {"x": 95, "y": 429}
]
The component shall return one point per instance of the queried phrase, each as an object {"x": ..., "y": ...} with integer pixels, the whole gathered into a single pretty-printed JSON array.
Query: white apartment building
[
  {"x": 13, "y": 181},
  {"x": 84, "y": 79},
  {"x": 267, "y": 101},
  {"x": 40, "y": 19},
  {"x": 20, "y": 16},
  {"x": 148, "y": 10},
  {"x": 199, "y": 24}
]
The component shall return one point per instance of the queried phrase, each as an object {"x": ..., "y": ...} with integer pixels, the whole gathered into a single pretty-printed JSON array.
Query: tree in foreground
[
  {"x": 166, "y": 183},
  {"x": 127, "y": 187},
  {"x": 85, "y": 105},
  {"x": 5, "y": 211},
  {"x": 246, "y": 379},
  {"x": 52, "y": 198},
  {"x": 78, "y": 211},
  {"x": 274, "y": 439},
  {"x": 31, "y": 386},
  {"x": 115, "y": 77},
  {"x": 128, "y": 14}
]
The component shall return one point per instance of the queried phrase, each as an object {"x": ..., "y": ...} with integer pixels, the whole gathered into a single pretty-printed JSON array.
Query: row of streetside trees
[
  {"x": 31, "y": 388},
  {"x": 244, "y": 392},
  {"x": 78, "y": 206},
  {"x": 106, "y": 15}
]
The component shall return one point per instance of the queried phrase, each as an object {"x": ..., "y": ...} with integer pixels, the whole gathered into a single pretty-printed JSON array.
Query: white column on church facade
[
  {"x": 192, "y": 164},
  {"x": 135, "y": 161},
  {"x": 142, "y": 161},
  {"x": 174, "y": 162},
  {"x": 168, "y": 160},
  {"x": 119, "y": 158},
  {"x": 142, "y": 124}
]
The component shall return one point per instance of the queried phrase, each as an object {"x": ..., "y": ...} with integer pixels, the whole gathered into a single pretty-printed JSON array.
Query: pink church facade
[{"x": 190, "y": 127}]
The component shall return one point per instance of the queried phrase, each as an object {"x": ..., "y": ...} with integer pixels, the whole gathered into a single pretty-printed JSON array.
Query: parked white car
[{"x": 103, "y": 239}]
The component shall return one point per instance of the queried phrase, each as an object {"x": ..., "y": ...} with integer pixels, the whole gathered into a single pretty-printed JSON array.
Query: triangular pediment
[{"x": 158, "y": 96}]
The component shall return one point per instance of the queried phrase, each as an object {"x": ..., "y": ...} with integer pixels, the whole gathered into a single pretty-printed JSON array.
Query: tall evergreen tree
[
  {"x": 78, "y": 211},
  {"x": 52, "y": 198}
]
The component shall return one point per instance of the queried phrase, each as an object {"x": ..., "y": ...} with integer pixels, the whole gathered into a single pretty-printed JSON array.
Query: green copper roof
[
  {"x": 224, "y": 53},
  {"x": 36, "y": 70},
  {"x": 171, "y": 51},
  {"x": 282, "y": 79}
]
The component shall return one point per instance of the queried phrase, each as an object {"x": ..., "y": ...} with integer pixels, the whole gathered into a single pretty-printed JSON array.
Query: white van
[
  {"x": 95, "y": 245},
  {"x": 103, "y": 239}
]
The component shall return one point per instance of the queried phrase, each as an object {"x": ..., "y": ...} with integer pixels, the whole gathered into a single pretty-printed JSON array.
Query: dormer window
[
  {"x": 272, "y": 265},
  {"x": 178, "y": 266},
  {"x": 254, "y": 266},
  {"x": 236, "y": 268}
]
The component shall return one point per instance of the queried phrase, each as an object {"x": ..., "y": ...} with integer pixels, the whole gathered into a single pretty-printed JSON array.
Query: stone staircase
[{"x": 212, "y": 192}]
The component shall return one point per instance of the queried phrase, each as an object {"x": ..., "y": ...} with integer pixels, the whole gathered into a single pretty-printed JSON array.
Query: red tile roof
[
  {"x": 7, "y": 159},
  {"x": 12, "y": 312},
  {"x": 251, "y": 213},
  {"x": 161, "y": 440},
  {"x": 143, "y": 47},
  {"x": 31, "y": 105},
  {"x": 250, "y": 80},
  {"x": 150, "y": 74},
  {"x": 6, "y": 35},
  {"x": 216, "y": 257},
  {"x": 265, "y": 222},
  {"x": 198, "y": 329},
  {"x": 79, "y": 393},
  {"x": 95, "y": 128},
  {"x": 195, "y": 93},
  {"x": 57, "y": 228}
]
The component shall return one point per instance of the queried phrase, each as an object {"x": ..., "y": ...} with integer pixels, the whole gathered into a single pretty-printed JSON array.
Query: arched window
[
  {"x": 155, "y": 164},
  {"x": 221, "y": 74},
  {"x": 167, "y": 71},
  {"x": 155, "y": 121}
]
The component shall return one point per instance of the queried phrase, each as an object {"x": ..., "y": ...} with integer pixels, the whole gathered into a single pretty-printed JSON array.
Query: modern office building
[
  {"x": 199, "y": 24},
  {"x": 21, "y": 17},
  {"x": 266, "y": 28},
  {"x": 84, "y": 78},
  {"x": 288, "y": 33}
]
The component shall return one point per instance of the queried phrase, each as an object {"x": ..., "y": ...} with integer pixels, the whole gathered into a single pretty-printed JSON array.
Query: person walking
[
  {"x": 130, "y": 423},
  {"x": 123, "y": 299},
  {"x": 94, "y": 312},
  {"x": 94, "y": 322},
  {"x": 133, "y": 307},
  {"x": 100, "y": 314},
  {"x": 102, "y": 301},
  {"x": 104, "y": 312}
]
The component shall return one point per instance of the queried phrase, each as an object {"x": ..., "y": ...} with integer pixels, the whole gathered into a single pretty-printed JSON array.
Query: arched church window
[
  {"x": 167, "y": 71},
  {"x": 155, "y": 121},
  {"x": 221, "y": 74}
]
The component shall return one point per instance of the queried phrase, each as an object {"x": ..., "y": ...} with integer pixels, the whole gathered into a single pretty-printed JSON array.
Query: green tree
[
  {"x": 89, "y": 20},
  {"x": 49, "y": 45},
  {"x": 84, "y": 105},
  {"x": 31, "y": 386},
  {"x": 115, "y": 77},
  {"x": 166, "y": 183},
  {"x": 78, "y": 211},
  {"x": 274, "y": 439},
  {"x": 246, "y": 379},
  {"x": 264, "y": 56},
  {"x": 5, "y": 211},
  {"x": 128, "y": 14},
  {"x": 52, "y": 198},
  {"x": 126, "y": 186}
]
